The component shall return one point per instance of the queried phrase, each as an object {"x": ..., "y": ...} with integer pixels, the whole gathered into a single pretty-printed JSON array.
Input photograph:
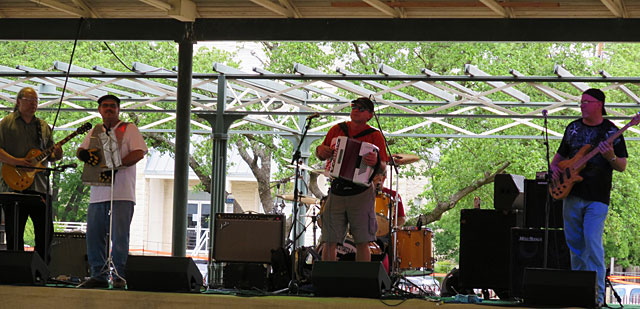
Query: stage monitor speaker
[
  {"x": 484, "y": 248},
  {"x": 535, "y": 195},
  {"x": 527, "y": 250},
  {"x": 247, "y": 237},
  {"x": 562, "y": 288},
  {"x": 69, "y": 255},
  {"x": 163, "y": 274},
  {"x": 22, "y": 267},
  {"x": 508, "y": 192},
  {"x": 349, "y": 279}
]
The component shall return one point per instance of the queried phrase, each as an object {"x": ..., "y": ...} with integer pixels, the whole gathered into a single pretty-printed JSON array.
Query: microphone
[
  {"x": 545, "y": 113},
  {"x": 419, "y": 223},
  {"x": 314, "y": 115},
  {"x": 66, "y": 166}
]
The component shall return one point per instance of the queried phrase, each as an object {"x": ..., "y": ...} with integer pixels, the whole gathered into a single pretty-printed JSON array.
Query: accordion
[{"x": 346, "y": 162}]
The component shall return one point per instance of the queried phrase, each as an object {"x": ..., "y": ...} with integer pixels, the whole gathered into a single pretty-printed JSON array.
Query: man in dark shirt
[{"x": 586, "y": 207}]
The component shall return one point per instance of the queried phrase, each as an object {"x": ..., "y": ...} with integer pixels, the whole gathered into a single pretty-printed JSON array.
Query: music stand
[{"x": 13, "y": 199}]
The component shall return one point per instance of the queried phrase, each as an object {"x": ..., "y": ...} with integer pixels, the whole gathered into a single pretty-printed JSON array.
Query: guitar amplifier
[{"x": 247, "y": 237}]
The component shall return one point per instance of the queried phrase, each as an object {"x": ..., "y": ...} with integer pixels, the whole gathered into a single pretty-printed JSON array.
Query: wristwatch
[{"x": 613, "y": 159}]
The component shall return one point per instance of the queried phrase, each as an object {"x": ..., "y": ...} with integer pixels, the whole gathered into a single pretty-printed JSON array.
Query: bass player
[{"x": 586, "y": 206}]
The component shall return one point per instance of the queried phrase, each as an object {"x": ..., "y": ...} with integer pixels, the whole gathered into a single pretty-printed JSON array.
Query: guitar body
[
  {"x": 20, "y": 179},
  {"x": 561, "y": 186}
]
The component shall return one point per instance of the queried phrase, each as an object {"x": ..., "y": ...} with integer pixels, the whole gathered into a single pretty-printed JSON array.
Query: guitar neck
[
  {"x": 595, "y": 151},
  {"x": 47, "y": 152}
]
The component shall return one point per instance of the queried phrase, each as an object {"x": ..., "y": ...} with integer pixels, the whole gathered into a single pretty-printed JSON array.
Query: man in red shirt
[{"x": 349, "y": 204}]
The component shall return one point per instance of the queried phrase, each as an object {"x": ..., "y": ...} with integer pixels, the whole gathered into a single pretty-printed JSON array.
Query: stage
[{"x": 68, "y": 297}]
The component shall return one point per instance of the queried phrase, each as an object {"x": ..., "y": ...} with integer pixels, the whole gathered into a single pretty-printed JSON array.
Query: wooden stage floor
[{"x": 65, "y": 297}]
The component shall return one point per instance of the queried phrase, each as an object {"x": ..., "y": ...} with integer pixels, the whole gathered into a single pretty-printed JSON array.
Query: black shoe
[
  {"x": 118, "y": 283},
  {"x": 95, "y": 283}
]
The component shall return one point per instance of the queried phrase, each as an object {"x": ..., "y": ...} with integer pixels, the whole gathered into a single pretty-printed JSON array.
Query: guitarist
[
  {"x": 586, "y": 206},
  {"x": 20, "y": 132}
]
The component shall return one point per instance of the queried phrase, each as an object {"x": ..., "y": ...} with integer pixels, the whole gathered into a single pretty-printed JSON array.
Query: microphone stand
[
  {"x": 547, "y": 204},
  {"x": 394, "y": 212},
  {"x": 293, "y": 284}
]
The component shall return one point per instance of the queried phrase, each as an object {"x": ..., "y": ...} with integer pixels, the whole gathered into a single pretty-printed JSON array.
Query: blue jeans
[
  {"x": 97, "y": 231},
  {"x": 583, "y": 229}
]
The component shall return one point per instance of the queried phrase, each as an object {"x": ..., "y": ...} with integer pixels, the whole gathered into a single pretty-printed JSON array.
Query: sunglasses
[{"x": 358, "y": 107}]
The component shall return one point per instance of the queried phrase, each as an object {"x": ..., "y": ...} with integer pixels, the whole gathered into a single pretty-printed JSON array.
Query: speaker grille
[{"x": 247, "y": 237}]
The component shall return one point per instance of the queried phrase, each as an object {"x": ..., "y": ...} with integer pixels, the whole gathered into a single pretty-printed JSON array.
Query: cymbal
[
  {"x": 405, "y": 158},
  {"x": 302, "y": 167},
  {"x": 303, "y": 198},
  {"x": 321, "y": 172}
]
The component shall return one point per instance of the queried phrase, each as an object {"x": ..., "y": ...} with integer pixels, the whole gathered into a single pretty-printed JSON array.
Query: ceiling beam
[
  {"x": 159, "y": 4},
  {"x": 183, "y": 10},
  {"x": 63, "y": 7},
  {"x": 497, "y": 8},
  {"x": 291, "y": 7},
  {"x": 613, "y": 7},
  {"x": 382, "y": 7},
  {"x": 267, "y": 4},
  {"x": 349, "y": 29},
  {"x": 83, "y": 4}
]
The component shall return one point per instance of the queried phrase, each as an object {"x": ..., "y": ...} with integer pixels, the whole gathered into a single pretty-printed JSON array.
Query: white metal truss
[{"x": 275, "y": 103}]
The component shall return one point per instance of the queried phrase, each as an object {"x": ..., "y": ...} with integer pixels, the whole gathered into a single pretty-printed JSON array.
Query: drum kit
[{"x": 412, "y": 244}]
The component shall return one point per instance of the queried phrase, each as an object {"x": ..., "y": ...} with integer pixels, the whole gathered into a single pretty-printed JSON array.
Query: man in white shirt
[{"x": 132, "y": 148}]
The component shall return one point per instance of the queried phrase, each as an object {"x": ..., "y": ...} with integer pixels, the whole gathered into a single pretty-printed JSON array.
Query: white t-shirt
[{"x": 124, "y": 185}]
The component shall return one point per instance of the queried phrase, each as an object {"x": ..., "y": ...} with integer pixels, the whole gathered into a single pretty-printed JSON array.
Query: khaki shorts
[{"x": 356, "y": 211}]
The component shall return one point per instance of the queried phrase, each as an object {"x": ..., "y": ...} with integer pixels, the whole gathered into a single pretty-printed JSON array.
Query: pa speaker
[
  {"x": 349, "y": 279},
  {"x": 527, "y": 251},
  {"x": 247, "y": 237},
  {"x": 564, "y": 288},
  {"x": 163, "y": 274},
  {"x": 484, "y": 248},
  {"x": 20, "y": 267},
  {"x": 69, "y": 255},
  {"x": 508, "y": 192},
  {"x": 535, "y": 199}
]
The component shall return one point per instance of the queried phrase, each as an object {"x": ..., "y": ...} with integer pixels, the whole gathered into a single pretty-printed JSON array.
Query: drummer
[{"x": 378, "y": 181}]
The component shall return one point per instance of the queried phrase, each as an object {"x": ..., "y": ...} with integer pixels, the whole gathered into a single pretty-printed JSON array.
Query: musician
[
  {"x": 378, "y": 182},
  {"x": 20, "y": 132},
  {"x": 350, "y": 204},
  {"x": 132, "y": 148},
  {"x": 585, "y": 209}
]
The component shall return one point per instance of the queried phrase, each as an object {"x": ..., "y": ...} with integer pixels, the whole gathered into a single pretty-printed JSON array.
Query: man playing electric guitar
[
  {"x": 20, "y": 132},
  {"x": 587, "y": 203}
]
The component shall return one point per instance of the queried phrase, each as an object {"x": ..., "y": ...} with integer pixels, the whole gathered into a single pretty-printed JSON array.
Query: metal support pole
[
  {"x": 181, "y": 169},
  {"x": 220, "y": 124}
]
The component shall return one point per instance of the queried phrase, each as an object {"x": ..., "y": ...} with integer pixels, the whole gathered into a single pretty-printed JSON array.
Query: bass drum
[{"x": 347, "y": 250}]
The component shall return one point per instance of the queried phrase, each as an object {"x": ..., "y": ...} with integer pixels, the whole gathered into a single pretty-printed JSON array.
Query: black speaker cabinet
[
  {"x": 246, "y": 276},
  {"x": 163, "y": 274},
  {"x": 527, "y": 250},
  {"x": 349, "y": 279},
  {"x": 20, "y": 267},
  {"x": 247, "y": 237},
  {"x": 69, "y": 255},
  {"x": 508, "y": 192},
  {"x": 562, "y": 288},
  {"x": 535, "y": 195},
  {"x": 484, "y": 248}
]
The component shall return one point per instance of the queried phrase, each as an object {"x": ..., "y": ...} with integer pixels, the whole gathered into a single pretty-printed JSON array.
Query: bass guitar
[
  {"x": 20, "y": 178},
  {"x": 561, "y": 185}
]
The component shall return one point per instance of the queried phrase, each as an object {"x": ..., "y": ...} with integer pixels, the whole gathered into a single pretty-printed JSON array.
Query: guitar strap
[
  {"x": 39, "y": 133},
  {"x": 345, "y": 129}
]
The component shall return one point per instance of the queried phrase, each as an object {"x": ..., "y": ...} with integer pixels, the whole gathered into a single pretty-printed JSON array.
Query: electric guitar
[
  {"x": 562, "y": 184},
  {"x": 20, "y": 178}
]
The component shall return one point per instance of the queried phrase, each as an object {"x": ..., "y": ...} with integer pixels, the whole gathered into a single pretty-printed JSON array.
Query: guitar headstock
[
  {"x": 84, "y": 128},
  {"x": 635, "y": 120}
]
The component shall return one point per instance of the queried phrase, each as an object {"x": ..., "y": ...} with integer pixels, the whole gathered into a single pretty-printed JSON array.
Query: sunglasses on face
[
  {"x": 358, "y": 107},
  {"x": 586, "y": 102}
]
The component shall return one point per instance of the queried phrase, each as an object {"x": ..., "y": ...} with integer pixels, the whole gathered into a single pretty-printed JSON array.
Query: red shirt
[
  {"x": 375, "y": 138},
  {"x": 392, "y": 194}
]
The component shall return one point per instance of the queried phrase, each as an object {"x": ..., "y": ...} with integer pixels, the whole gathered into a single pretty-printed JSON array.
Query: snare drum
[
  {"x": 382, "y": 213},
  {"x": 414, "y": 248}
]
